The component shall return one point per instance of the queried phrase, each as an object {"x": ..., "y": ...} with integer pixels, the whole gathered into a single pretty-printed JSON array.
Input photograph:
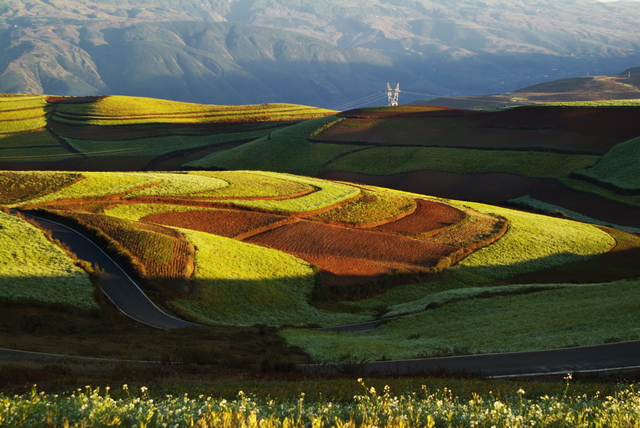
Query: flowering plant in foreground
[{"x": 93, "y": 407}]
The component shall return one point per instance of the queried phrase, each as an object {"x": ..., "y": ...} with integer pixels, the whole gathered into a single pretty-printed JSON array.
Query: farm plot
[
  {"x": 618, "y": 168},
  {"x": 430, "y": 218},
  {"x": 342, "y": 252},
  {"x": 118, "y": 110},
  {"x": 256, "y": 184},
  {"x": 229, "y": 223},
  {"x": 370, "y": 210},
  {"x": 21, "y": 186},
  {"x": 155, "y": 251},
  {"x": 101, "y": 185},
  {"x": 33, "y": 268},
  {"x": 156, "y": 146},
  {"x": 395, "y": 160},
  {"x": 181, "y": 185},
  {"x": 286, "y": 150},
  {"x": 236, "y": 283}
]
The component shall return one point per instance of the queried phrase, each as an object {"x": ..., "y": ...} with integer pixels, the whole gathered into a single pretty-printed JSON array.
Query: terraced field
[
  {"x": 251, "y": 247},
  {"x": 131, "y": 133},
  {"x": 586, "y": 149}
]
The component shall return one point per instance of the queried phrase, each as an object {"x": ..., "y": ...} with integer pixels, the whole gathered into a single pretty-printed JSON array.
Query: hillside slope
[{"x": 244, "y": 52}]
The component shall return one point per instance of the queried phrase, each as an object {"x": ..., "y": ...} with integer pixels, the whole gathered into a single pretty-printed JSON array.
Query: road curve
[
  {"x": 116, "y": 284},
  {"x": 586, "y": 359}
]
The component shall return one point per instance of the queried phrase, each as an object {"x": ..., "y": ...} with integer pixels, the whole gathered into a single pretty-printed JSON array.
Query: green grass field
[
  {"x": 243, "y": 284},
  {"x": 619, "y": 166},
  {"x": 395, "y": 160},
  {"x": 496, "y": 324},
  {"x": 286, "y": 150},
  {"x": 120, "y": 110},
  {"x": 32, "y": 268},
  {"x": 156, "y": 146},
  {"x": 370, "y": 208}
]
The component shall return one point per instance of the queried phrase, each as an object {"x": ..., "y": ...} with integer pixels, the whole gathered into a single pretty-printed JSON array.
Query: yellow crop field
[{"x": 31, "y": 267}]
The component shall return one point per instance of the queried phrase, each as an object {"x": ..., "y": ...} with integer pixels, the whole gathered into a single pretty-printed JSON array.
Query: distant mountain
[
  {"x": 623, "y": 86},
  {"x": 325, "y": 53}
]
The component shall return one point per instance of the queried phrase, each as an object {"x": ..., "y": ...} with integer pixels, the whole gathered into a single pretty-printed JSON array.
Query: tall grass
[{"x": 33, "y": 268}]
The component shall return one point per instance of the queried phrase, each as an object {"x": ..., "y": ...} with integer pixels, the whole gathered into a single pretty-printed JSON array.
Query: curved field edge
[
  {"x": 286, "y": 150},
  {"x": 618, "y": 168},
  {"x": 529, "y": 203},
  {"x": 32, "y": 268},
  {"x": 127, "y": 109},
  {"x": 462, "y": 161},
  {"x": 532, "y": 242},
  {"x": 236, "y": 283},
  {"x": 549, "y": 317}
]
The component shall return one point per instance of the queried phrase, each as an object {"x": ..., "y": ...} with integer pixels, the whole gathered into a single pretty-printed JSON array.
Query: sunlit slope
[
  {"x": 247, "y": 247},
  {"x": 95, "y": 132},
  {"x": 33, "y": 269},
  {"x": 562, "y": 152}
]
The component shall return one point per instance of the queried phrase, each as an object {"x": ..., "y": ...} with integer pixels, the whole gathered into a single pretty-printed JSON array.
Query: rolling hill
[{"x": 251, "y": 247}]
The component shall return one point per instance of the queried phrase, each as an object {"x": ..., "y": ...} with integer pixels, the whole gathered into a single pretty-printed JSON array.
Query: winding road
[
  {"x": 116, "y": 284},
  {"x": 130, "y": 300}
]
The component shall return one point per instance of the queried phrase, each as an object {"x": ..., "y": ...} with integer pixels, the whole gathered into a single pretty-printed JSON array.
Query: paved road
[
  {"x": 116, "y": 284},
  {"x": 611, "y": 357}
]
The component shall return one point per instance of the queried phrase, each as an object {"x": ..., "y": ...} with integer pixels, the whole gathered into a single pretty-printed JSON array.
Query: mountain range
[{"x": 323, "y": 53}]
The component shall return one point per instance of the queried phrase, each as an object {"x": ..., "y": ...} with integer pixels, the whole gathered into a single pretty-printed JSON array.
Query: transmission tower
[{"x": 392, "y": 94}]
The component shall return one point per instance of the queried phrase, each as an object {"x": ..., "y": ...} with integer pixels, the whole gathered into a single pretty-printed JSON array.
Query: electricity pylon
[{"x": 392, "y": 94}]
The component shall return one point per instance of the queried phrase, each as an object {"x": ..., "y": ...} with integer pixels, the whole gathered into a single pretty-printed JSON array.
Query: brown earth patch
[
  {"x": 577, "y": 130},
  {"x": 495, "y": 188},
  {"x": 341, "y": 251},
  {"x": 232, "y": 224},
  {"x": 429, "y": 218}
]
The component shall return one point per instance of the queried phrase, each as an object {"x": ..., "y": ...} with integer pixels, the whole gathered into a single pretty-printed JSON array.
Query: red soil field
[
  {"x": 579, "y": 130},
  {"x": 229, "y": 223},
  {"x": 429, "y": 218},
  {"x": 342, "y": 251},
  {"x": 156, "y": 251}
]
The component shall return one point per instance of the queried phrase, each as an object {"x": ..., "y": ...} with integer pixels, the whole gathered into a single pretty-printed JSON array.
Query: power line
[{"x": 365, "y": 100}]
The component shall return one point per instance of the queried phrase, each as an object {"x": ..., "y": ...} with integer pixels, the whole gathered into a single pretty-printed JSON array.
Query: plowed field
[
  {"x": 369, "y": 253},
  {"x": 229, "y": 223},
  {"x": 162, "y": 252},
  {"x": 429, "y": 218}
]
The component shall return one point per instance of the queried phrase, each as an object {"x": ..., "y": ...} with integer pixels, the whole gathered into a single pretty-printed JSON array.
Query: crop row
[
  {"x": 155, "y": 251},
  {"x": 21, "y": 186},
  {"x": 371, "y": 209},
  {"x": 115, "y": 110}
]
